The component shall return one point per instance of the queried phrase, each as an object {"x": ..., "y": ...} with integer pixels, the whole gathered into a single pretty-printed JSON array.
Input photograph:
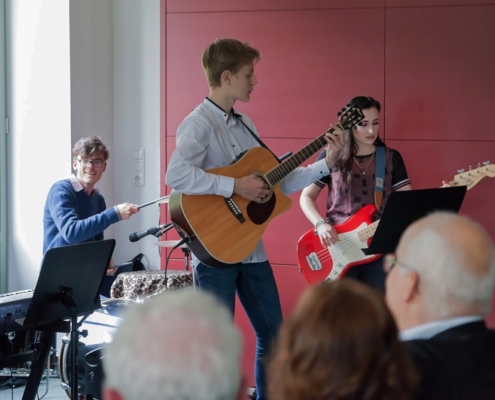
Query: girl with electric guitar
[{"x": 352, "y": 185}]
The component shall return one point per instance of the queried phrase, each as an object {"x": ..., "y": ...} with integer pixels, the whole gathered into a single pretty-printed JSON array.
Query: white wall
[
  {"x": 91, "y": 68},
  {"x": 38, "y": 106},
  {"x": 136, "y": 83}
]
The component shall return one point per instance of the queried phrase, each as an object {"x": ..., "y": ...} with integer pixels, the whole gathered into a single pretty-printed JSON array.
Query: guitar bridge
[
  {"x": 314, "y": 262},
  {"x": 234, "y": 209}
]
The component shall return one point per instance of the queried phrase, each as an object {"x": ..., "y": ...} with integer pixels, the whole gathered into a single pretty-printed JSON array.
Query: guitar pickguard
[{"x": 348, "y": 252}]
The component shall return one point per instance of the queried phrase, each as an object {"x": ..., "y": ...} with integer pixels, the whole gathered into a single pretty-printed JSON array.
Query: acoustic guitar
[
  {"x": 318, "y": 263},
  {"x": 222, "y": 231}
]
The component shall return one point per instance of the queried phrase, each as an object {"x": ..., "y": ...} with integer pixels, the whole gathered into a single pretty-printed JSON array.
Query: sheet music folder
[
  {"x": 405, "y": 207},
  {"x": 76, "y": 270}
]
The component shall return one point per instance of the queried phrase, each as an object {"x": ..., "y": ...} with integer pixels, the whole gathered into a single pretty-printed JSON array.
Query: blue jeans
[{"x": 258, "y": 294}]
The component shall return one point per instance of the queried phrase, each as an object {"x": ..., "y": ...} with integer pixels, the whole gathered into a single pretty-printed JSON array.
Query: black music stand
[
  {"x": 68, "y": 287},
  {"x": 405, "y": 207}
]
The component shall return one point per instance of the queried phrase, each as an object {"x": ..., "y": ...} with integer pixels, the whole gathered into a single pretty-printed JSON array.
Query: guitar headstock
[
  {"x": 350, "y": 116},
  {"x": 471, "y": 177}
]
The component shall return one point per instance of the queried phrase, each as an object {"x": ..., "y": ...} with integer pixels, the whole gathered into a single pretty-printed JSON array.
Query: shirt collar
[
  {"x": 430, "y": 329},
  {"x": 220, "y": 111},
  {"x": 76, "y": 184}
]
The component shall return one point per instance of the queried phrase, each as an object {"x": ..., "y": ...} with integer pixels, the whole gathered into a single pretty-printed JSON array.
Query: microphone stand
[{"x": 165, "y": 229}]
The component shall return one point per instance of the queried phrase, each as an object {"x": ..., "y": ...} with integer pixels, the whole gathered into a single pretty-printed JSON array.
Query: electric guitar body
[{"x": 318, "y": 263}]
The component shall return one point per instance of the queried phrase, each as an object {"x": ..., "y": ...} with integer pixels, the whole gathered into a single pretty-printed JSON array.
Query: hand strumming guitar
[{"x": 251, "y": 187}]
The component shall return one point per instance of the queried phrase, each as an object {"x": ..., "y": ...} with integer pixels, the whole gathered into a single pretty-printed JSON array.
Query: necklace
[{"x": 364, "y": 168}]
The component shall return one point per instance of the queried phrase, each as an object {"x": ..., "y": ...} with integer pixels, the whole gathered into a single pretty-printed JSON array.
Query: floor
[
  {"x": 52, "y": 391},
  {"x": 49, "y": 389}
]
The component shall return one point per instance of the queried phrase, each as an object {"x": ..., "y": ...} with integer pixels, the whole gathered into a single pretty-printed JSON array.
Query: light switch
[
  {"x": 137, "y": 154},
  {"x": 138, "y": 167}
]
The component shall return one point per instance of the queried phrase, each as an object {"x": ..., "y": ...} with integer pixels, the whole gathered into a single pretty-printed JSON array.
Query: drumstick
[{"x": 153, "y": 202}]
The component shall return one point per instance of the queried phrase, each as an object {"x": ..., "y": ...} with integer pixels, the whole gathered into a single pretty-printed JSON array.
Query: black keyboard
[{"x": 14, "y": 306}]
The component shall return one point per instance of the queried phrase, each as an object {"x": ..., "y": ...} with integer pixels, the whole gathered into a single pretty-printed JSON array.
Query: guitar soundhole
[{"x": 259, "y": 212}]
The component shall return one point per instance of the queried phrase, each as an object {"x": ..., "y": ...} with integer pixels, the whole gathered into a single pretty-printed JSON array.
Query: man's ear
[
  {"x": 226, "y": 76},
  {"x": 111, "y": 394},
  {"x": 411, "y": 286}
]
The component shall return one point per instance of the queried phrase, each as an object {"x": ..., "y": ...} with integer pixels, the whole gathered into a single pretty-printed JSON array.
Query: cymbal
[{"x": 169, "y": 243}]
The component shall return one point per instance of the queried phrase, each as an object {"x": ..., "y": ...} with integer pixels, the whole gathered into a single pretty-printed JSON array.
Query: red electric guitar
[{"x": 331, "y": 263}]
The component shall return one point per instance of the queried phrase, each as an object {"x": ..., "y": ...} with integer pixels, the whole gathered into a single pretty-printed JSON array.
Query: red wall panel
[
  {"x": 303, "y": 78},
  {"x": 195, "y": 6},
  {"x": 422, "y": 3},
  {"x": 439, "y": 73}
]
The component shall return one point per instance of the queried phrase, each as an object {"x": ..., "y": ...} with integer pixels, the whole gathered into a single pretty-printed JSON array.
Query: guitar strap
[
  {"x": 379, "y": 175},
  {"x": 239, "y": 117}
]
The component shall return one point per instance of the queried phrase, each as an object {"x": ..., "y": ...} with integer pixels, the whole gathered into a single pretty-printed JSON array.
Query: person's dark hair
[
  {"x": 226, "y": 55},
  {"x": 340, "y": 343},
  {"x": 350, "y": 146},
  {"x": 90, "y": 145}
]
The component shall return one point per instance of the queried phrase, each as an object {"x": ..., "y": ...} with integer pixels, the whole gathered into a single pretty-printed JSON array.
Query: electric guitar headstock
[
  {"x": 349, "y": 117},
  {"x": 471, "y": 177}
]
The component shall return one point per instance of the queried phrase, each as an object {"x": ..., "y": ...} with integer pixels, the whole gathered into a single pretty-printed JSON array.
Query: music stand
[
  {"x": 68, "y": 287},
  {"x": 405, "y": 207}
]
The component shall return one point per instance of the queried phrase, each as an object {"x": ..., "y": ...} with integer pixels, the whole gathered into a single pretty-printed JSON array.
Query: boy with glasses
[{"x": 75, "y": 211}]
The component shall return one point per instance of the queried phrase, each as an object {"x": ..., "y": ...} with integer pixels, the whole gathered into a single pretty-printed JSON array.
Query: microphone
[{"x": 134, "y": 237}]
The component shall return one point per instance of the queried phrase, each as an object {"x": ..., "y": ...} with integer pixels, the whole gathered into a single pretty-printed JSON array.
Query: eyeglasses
[
  {"x": 97, "y": 163},
  {"x": 391, "y": 261}
]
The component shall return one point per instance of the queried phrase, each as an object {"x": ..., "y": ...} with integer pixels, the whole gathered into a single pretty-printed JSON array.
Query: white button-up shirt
[{"x": 208, "y": 138}]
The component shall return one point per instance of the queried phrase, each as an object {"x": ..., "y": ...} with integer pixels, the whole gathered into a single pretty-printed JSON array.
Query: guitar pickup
[
  {"x": 314, "y": 262},
  {"x": 234, "y": 209}
]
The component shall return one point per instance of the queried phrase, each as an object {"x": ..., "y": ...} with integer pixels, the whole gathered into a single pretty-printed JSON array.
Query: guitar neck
[
  {"x": 290, "y": 164},
  {"x": 367, "y": 232}
]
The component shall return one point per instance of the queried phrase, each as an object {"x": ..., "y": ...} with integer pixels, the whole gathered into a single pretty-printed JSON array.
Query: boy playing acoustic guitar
[{"x": 214, "y": 135}]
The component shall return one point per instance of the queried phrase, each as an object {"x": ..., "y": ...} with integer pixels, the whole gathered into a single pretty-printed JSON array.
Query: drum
[{"x": 95, "y": 332}]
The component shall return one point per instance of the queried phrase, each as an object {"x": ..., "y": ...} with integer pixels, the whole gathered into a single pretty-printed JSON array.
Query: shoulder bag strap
[{"x": 379, "y": 175}]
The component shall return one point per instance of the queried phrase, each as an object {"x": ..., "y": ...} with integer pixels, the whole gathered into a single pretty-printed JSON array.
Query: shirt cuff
[
  {"x": 321, "y": 168},
  {"x": 226, "y": 186}
]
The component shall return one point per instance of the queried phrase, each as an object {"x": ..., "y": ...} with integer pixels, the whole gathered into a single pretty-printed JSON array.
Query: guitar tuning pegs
[
  {"x": 470, "y": 168},
  {"x": 343, "y": 110},
  {"x": 479, "y": 165},
  {"x": 339, "y": 114},
  {"x": 460, "y": 170},
  {"x": 486, "y": 162}
]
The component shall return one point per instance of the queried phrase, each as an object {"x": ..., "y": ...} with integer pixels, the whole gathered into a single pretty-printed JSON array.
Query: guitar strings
[{"x": 346, "y": 244}]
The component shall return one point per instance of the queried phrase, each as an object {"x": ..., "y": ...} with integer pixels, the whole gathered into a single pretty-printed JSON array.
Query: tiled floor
[{"x": 55, "y": 391}]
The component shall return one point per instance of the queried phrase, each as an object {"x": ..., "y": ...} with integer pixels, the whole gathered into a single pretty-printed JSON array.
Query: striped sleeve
[{"x": 399, "y": 173}]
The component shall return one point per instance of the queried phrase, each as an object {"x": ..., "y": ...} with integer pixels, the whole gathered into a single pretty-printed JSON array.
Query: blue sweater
[{"x": 72, "y": 217}]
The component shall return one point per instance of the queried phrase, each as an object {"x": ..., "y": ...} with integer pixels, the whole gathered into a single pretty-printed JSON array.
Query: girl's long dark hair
[{"x": 350, "y": 146}]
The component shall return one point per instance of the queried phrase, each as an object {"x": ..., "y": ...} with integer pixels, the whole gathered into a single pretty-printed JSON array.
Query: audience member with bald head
[
  {"x": 440, "y": 292},
  {"x": 180, "y": 345},
  {"x": 340, "y": 343}
]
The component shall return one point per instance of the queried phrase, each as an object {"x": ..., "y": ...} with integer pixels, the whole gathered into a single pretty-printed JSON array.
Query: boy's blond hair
[{"x": 226, "y": 55}]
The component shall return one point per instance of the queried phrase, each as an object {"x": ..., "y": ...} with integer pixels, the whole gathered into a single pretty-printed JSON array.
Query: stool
[{"x": 129, "y": 285}]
